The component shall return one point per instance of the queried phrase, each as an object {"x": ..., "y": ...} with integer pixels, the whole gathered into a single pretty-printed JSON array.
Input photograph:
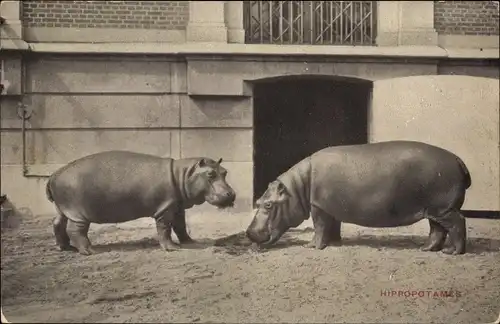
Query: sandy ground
[{"x": 131, "y": 280}]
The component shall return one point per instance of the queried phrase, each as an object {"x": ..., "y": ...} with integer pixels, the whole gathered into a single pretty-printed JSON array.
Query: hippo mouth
[
  {"x": 225, "y": 205},
  {"x": 273, "y": 238},
  {"x": 220, "y": 203}
]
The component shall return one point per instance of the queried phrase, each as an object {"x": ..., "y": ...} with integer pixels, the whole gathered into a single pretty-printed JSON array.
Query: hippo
[
  {"x": 120, "y": 186},
  {"x": 383, "y": 184}
]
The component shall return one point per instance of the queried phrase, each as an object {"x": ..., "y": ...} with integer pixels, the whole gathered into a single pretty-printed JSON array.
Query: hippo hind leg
[
  {"x": 62, "y": 238},
  {"x": 335, "y": 237},
  {"x": 78, "y": 232},
  {"x": 454, "y": 223},
  {"x": 437, "y": 237}
]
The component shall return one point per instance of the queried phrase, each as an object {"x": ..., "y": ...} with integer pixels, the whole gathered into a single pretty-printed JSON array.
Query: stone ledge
[
  {"x": 102, "y": 35},
  {"x": 262, "y": 50},
  {"x": 469, "y": 41},
  {"x": 14, "y": 45}
]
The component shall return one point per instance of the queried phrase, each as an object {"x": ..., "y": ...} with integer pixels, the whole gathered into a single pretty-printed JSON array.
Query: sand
[{"x": 376, "y": 276}]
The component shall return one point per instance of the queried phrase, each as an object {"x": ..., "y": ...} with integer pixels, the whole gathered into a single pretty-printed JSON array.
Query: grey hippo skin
[
  {"x": 120, "y": 186},
  {"x": 386, "y": 184}
]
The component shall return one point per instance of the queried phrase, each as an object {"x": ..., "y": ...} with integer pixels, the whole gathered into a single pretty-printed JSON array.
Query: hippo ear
[
  {"x": 282, "y": 189},
  {"x": 219, "y": 162},
  {"x": 202, "y": 163}
]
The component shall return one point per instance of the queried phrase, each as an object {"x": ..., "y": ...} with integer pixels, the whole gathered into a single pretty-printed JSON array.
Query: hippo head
[
  {"x": 274, "y": 216},
  {"x": 207, "y": 182}
]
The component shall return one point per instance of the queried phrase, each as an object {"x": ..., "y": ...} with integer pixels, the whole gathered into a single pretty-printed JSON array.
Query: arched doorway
[{"x": 295, "y": 116}]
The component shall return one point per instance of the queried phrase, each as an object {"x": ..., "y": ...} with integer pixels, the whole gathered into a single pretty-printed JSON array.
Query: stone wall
[{"x": 83, "y": 105}]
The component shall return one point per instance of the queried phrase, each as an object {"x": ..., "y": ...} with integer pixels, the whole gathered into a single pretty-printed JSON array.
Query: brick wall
[
  {"x": 106, "y": 14},
  {"x": 466, "y": 17}
]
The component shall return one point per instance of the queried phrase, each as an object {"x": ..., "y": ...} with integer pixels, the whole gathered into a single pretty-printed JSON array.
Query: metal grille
[{"x": 310, "y": 22}]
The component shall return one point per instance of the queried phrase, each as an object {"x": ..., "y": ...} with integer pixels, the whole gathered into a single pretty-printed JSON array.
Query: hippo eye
[
  {"x": 211, "y": 174},
  {"x": 268, "y": 205}
]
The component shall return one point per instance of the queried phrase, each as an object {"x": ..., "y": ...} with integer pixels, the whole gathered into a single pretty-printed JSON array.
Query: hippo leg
[
  {"x": 62, "y": 238},
  {"x": 437, "y": 237},
  {"x": 164, "y": 229},
  {"x": 78, "y": 232},
  {"x": 335, "y": 236},
  {"x": 454, "y": 222},
  {"x": 179, "y": 227},
  {"x": 322, "y": 229}
]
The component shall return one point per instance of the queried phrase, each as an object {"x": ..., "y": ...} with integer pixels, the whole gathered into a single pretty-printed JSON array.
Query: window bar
[
  {"x": 290, "y": 20},
  {"x": 261, "y": 25},
  {"x": 321, "y": 24},
  {"x": 331, "y": 23},
  {"x": 371, "y": 21},
  {"x": 271, "y": 20},
  {"x": 341, "y": 22},
  {"x": 351, "y": 23},
  {"x": 281, "y": 22}
]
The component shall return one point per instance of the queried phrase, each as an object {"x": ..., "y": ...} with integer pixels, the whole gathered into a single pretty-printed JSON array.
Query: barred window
[{"x": 310, "y": 22}]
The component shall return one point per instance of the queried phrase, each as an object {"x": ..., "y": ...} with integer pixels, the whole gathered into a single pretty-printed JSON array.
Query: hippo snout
[
  {"x": 231, "y": 196},
  {"x": 224, "y": 199},
  {"x": 257, "y": 237}
]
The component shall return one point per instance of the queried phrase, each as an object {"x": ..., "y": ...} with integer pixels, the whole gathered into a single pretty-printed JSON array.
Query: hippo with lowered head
[
  {"x": 120, "y": 186},
  {"x": 385, "y": 184}
]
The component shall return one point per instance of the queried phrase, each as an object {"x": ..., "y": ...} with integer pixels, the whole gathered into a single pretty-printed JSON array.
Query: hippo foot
[
  {"x": 451, "y": 250},
  {"x": 430, "y": 248},
  {"x": 169, "y": 246},
  {"x": 336, "y": 242},
  {"x": 187, "y": 240},
  {"x": 67, "y": 248},
  {"x": 314, "y": 245},
  {"x": 86, "y": 251}
]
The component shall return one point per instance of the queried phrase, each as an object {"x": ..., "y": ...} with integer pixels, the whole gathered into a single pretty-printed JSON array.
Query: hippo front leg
[
  {"x": 179, "y": 227},
  {"x": 164, "y": 229},
  {"x": 323, "y": 234}
]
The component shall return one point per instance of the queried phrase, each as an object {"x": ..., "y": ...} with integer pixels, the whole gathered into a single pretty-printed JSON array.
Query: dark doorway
[{"x": 295, "y": 117}]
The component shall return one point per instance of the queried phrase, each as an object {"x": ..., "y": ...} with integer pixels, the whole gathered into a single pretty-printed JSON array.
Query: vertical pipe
[{"x": 23, "y": 139}]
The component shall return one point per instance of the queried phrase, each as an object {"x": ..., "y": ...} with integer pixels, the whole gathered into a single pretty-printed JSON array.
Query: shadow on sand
[
  {"x": 149, "y": 244},
  {"x": 238, "y": 243}
]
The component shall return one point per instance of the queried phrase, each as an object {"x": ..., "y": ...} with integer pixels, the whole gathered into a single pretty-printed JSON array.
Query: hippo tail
[
  {"x": 48, "y": 191},
  {"x": 465, "y": 170}
]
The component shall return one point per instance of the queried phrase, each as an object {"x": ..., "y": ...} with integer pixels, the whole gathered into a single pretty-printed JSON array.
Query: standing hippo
[
  {"x": 386, "y": 184},
  {"x": 119, "y": 186}
]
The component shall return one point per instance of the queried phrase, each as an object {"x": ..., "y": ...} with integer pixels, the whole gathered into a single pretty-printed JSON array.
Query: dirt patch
[{"x": 375, "y": 276}]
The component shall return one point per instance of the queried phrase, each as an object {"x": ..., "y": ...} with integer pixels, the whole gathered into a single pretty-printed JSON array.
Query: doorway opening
[{"x": 297, "y": 116}]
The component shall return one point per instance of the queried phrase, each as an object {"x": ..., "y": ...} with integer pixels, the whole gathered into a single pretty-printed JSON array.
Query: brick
[
  {"x": 466, "y": 17},
  {"x": 106, "y": 14}
]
